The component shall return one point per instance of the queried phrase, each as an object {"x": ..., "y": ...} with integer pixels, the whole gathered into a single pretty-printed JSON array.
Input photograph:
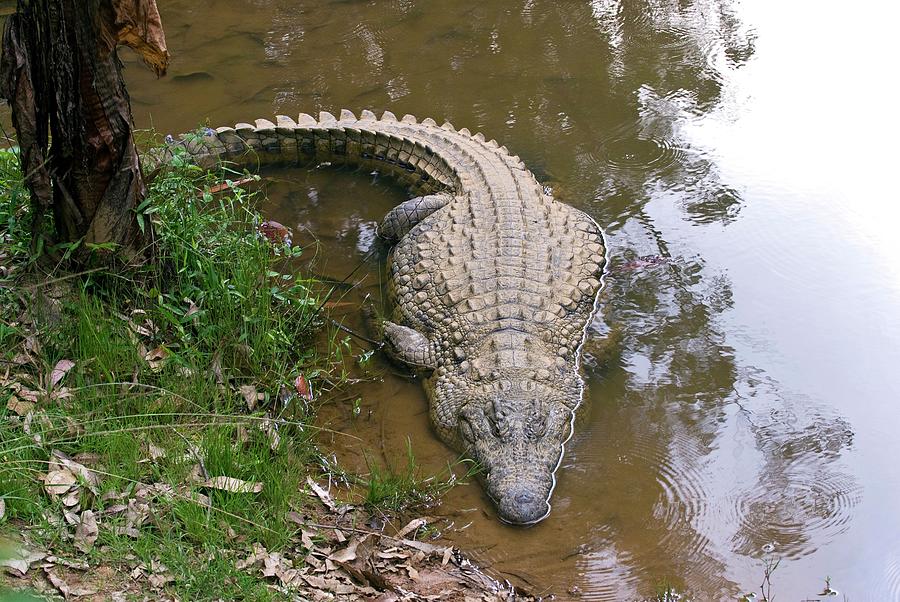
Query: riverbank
[{"x": 158, "y": 434}]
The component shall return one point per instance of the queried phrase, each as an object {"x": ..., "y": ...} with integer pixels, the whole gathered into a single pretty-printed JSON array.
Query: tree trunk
[{"x": 72, "y": 115}]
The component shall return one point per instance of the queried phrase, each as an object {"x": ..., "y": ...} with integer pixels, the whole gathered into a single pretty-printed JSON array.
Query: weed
[{"x": 400, "y": 489}]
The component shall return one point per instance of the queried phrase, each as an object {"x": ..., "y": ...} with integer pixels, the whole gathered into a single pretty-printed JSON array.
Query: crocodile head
[{"x": 518, "y": 441}]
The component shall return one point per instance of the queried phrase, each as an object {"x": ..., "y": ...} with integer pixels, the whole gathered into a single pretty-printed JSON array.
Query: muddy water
[{"x": 741, "y": 383}]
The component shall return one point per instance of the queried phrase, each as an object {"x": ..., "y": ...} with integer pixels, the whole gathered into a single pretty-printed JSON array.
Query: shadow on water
[{"x": 688, "y": 459}]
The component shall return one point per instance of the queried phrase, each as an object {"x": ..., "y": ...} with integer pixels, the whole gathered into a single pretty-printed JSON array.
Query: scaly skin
[{"x": 493, "y": 282}]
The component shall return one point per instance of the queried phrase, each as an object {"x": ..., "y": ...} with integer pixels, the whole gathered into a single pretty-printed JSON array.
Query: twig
[{"x": 378, "y": 344}]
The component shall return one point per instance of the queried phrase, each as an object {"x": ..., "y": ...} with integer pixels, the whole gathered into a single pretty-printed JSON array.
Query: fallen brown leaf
[
  {"x": 17, "y": 406},
  {"x": 323, "y": 495},
  {"x": 27, "y": 394},
  {"x": 89, "y": 478},
  {"x": 248, "y": 392},
  {"x": 228, "y": 185},
  {"x": 303, "y": 387},
  {"x": 59, "y": 372},
  {"x": 348, "y": 553},
  {"x": 233, "y": 485},
  {"x": 156, "y": 357},
  {"x": 255, "y": 557},
  {"x": 157, "y": 580},
  {"x": 22, "y": 561},
  {"x": 65, "y": 589},
  {"x": 59, "y": 482},
  {"x": 427, "y": 548},
  {"x": 411, "y": 526},
  {"x": 87, "y": 532}
]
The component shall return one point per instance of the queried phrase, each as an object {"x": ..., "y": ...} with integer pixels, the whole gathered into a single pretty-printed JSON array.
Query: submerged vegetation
[{"x": 160, "y": 417}]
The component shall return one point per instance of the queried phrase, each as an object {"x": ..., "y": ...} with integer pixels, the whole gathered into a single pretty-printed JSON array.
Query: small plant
[{"x": 392, "y": 489}]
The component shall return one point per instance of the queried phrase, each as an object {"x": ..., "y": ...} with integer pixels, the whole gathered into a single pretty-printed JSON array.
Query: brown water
[{"x": 751, "y": 397}]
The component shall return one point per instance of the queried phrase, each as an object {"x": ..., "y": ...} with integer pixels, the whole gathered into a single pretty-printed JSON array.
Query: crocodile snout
[{"x": 521, "y": 505}]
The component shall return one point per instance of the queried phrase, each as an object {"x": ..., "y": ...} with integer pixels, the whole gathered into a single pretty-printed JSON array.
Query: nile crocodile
[{"x": 493, "y": 284}]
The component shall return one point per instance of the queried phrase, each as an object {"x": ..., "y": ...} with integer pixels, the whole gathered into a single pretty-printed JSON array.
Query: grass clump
[
  {"x": 400, "y": 488},
  {"x": 166, "y": 384}
]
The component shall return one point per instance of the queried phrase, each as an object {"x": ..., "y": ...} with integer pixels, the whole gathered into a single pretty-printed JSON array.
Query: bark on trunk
[{"x": 72, "y": 115}]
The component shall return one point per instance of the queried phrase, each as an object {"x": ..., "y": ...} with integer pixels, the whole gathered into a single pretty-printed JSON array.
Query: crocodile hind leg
[{"x": 402, "y": 218}]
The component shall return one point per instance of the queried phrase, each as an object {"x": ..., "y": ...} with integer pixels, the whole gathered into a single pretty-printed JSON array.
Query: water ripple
[{"x": 797, "y": 513}]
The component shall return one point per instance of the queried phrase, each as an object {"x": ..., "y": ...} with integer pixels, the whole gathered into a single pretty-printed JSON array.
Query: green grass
[
  {"x": 160, "y": 351},
  {"x": 399, "y": 488}
]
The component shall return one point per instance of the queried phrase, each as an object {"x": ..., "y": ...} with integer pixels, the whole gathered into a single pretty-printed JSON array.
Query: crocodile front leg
[
  {"x": 402, "y": 218},
  {"x": 409, "y": 346}
]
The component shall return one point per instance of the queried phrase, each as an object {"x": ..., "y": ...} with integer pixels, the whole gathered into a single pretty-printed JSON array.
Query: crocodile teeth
[
  {"x": 326, "y": 117},
  {"x": 305, "y": 119},
  {"x": 388, "y": 116},
  {"x": 347, "y": 115},
  {"x": 409, "y": 118}
]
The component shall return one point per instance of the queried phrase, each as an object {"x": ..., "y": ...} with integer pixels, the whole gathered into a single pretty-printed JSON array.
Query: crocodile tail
[{"x": 416, "y": 153}]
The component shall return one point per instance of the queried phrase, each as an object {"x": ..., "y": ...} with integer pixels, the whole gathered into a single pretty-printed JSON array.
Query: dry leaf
[
  {"x": 18, "y": 406},
  {"x": 2, "y": 508},
  {"x": 72, "y": 564},
  {"x": 323, "y": 495},
  {"x": 275, "y": 232},
  {"x": 27, "y": 394},
  {"x": 157, "y": 580},
  {"x": 306, "y": 540},
  {"x": 59, "y": 372},
  {"x": 192, "y": 308},
  {"x": 153, "y": 452},
  {"x": 255, "y": 557},
  {"x": 250, "y": 396},
  {"x": 303, "y": 387},
  {"x": 32, "y": 345},
  {"x": 348, "y": 553},
  {"x": 58, "y": 482},
  {"x": 138, "y": 26},
  {"x": 65, "y": 589},
  {"x": 228, "y": 185},
  {"x": 233, "y": 485},
  {"x": 412, "y": 526},
  {"x": 156, "y": 357},
  {"x": 60, "y": 461},
  {"x": 427, "y": 548},
  {"x": 448, "y": 553},
  {"x": 87, "y": 532},
  {"x": 22, "y": 561}
]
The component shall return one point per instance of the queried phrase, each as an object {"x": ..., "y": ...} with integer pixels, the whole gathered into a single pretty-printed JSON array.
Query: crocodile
[{"x": 493, "y": 283}]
